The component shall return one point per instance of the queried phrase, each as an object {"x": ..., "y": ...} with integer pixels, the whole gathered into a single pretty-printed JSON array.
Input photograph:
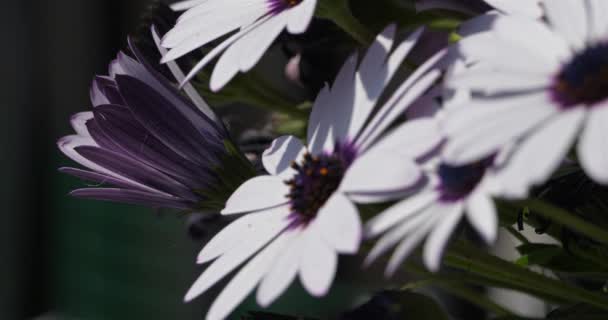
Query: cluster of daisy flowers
[{"x": 491, "y": 116}]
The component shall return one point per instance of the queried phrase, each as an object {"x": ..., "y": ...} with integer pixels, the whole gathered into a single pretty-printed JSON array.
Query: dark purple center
[
  {"x": 277, "y": 6},
  {"x": 458, "y": 182},
  {"x": 583, "y": 80},
  {"x": 316, "y": 179}
]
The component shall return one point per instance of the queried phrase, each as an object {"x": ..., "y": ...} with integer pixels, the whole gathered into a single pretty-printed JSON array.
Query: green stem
[
  {"x": 339, "y": 12},
  {"x": 475, "y": 261},
  {"x": 457, "y": 289},
  {"x": 567, "y": 219}
]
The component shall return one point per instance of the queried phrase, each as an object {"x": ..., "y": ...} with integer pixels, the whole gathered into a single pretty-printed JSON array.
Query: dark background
[{"x": 63, "y": 258}]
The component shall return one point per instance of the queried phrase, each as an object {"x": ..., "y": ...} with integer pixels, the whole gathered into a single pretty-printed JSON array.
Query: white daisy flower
[
  {"x": 541, "y": 86},
  {"x": 301, "y": 215},
  {"x": 434, "y": 209},
  {"x": 258, "y": 22}
]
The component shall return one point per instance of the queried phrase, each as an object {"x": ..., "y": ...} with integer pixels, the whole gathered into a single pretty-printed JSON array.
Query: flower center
[
  {"x": 316, "y": 179},
  {"x": 584, "y": 80},
  {"x": 276, "y": 6},
  {"x": 458, "y": 182}
]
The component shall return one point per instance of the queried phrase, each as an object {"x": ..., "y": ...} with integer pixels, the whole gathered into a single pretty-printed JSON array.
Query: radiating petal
[
  {"x": 339, "y": 224},
  {"x": 593, "y": 145},
  {"x": 299, "y": 17},
  {"x": 598, "y": 24},
  {"x": 318, "y": 264},
  {"x": 240, "y": 253},
  {"x": 568, "y": 18},
  {"x": 256, "y": 194},
  {"x": 232, "y": 235},
  {"x": 278, "y": 157},
  {"x": 136, "y": 197},
  {"x": 247, "y": 279},
  {"x": 282, "y": 274},
  {"x": 540, "y": 153},
  {"x": 437, "y": 240},
  {"x": 483, "y": 126},
  {"x": 399, "y": 212},
  {"x": 381, "y": 172},
  {"x": 413, "y": 139},
  {"x": 481, "y": 213},
  {"x": 434, "y": 215}
]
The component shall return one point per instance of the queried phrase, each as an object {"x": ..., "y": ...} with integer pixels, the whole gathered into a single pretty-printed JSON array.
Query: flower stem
[
  {"x": 339, "y": 12},
  {"x": 508, "y": 275},
  {"x": 566, "y": 219},
  {"x": 456, "y": 288}
]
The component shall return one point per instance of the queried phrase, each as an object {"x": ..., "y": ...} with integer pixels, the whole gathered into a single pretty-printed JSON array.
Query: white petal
[
  {"x": 381, "y": 172},
  {"x": 482, "y": 215},
  {"x": 233, "y": 234},
  {"x": 490, "y": 82},
  {"x": 534, "y": 38},
  {"x": 300, "y": 16},
  {"x": 226, "y": 67},
  {"x": 247, "y": 279},
  {"x": 255, "y": 43},
  {"x": 437, "y": 240},
  {"x": 420, "y": 81},
  {"x": 502, "y": 54},
  {"x": 278, "y": 157},
  {"x": 216, "y": 51},
  {"x": 410, "y": 222},
  {"x": 177, "y": 72},
  {"x": 433, "y": 217},
  {"x": 598, "y": 24},
  {"x": 399, "y": 212},
  {"x": 257, "y": 193},
  {"x": 282, "y": 274},
  {"x": 414, "y": 139},
  {"x": 568, "y": 17},
  {"x": 339, "y": 224},
  {"x": 484, "y": 126},
  {"x": 478, "y": 24},
  {"x": 318, "y": 263},
  {"x": 320, "y": 137},
  {"x": 593, "y": 145},
  {"x": 540, "y": 153},
  {"x": 239, "y": 254},
  {"x": 339, "y": 113},
  {"x": 529, "y": 8}
]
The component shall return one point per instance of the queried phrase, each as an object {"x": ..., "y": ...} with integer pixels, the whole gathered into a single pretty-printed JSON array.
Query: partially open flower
[
  {"x": 259, "y": 23},
  {"x": 145, "y": 143}
]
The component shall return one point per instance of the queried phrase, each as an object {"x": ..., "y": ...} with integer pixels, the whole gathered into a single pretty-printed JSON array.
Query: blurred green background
[{"x": 63, "y": 258}]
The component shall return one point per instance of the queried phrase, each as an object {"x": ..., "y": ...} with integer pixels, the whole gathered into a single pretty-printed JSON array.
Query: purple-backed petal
[
  {"x": 200, "y": 121},
  {"x": 100, "y": 138},
  {"x": 96, "y": 94},
  {"x": 158, "y": 115},
  {"x": 136, "y": 171},
  {"x": 134, "y": 140},
  {"x": 109, "y": 90},
  {"x": 132, "y": 197},
  {"x": 98, "y": 178}
]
